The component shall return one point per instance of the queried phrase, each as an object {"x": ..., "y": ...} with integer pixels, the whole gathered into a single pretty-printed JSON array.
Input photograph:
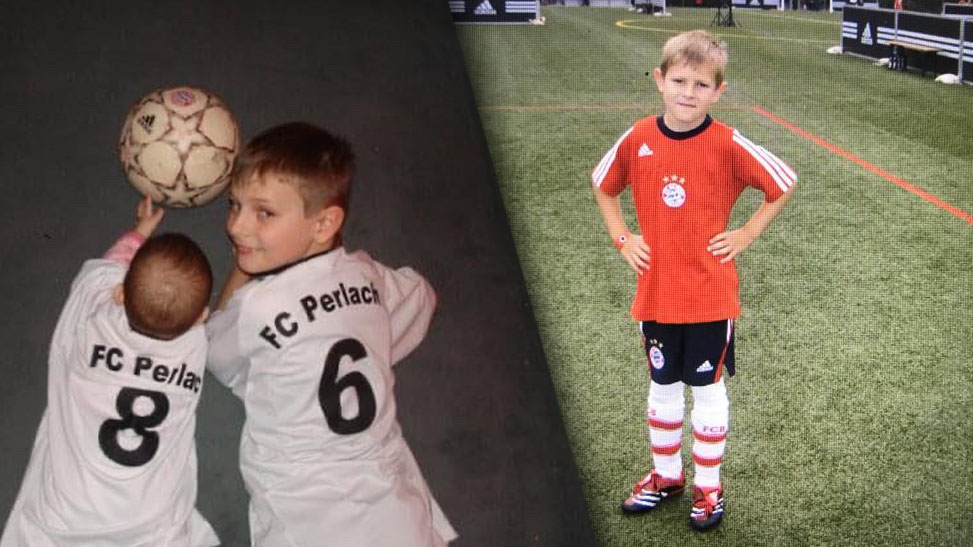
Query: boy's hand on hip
[
  {"x": 729, "y": 244},
  {"x": 637, "y": 253}
]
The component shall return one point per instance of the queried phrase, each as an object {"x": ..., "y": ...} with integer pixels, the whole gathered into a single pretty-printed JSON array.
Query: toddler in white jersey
[
  {"x": 114, "y": 460},
  {"x": 306, "y": 336}
]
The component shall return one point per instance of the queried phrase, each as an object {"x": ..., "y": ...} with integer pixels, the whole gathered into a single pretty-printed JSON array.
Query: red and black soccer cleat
[
  {"x": 707, "y": 509},
  {"x": 651, "y": 491}
]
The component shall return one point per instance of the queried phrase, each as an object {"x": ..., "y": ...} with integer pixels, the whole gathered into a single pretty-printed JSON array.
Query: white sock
[
  {"x": 711, "y": 422},
  {"x": 665, "y": 409}
]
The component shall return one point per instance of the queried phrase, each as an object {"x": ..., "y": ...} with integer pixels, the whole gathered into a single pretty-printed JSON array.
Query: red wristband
[{"x": 620, "y": 240}]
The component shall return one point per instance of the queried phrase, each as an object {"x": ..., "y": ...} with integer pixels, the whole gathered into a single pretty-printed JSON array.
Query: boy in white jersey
[
  {"x": 114, "y": 460},
  {"x": 306, "y": 336}
]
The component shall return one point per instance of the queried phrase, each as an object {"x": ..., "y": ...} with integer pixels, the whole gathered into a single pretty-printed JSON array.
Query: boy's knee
[
  {"x": 712, "y": 396},
  {"x": 666, "y": 395}
]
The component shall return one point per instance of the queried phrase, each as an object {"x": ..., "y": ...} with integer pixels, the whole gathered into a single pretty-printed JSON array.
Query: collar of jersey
[
  {"x": 280, "y": 269},
  {"x": 683, "y": 135},
  {"x": 147, "y": 334}
]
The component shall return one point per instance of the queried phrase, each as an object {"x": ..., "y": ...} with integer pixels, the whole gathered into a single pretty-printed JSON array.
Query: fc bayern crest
[
  {"x": 656, "y": 357},
  {"x": 674, "y": 191}
]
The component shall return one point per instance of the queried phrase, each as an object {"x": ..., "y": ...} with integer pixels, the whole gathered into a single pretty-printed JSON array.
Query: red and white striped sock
[
  {"x": 666, "y": 406},
  {"x": 711, "y": 422}
]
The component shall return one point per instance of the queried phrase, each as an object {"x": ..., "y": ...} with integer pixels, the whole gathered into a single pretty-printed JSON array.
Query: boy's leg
[
  {"x": 665, "y": 408},
  {"x": 711, "y": 422},
  {"x": 709, "y": 351}
]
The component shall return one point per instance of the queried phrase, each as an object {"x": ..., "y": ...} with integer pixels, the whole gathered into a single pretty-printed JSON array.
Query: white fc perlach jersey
[
  {"x": 310, "y": 351},
  {"x": 114, "y": 460}
]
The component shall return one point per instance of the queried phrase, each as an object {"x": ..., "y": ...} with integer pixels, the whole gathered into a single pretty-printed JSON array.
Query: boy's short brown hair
[
  {"x": 696, "y": 47},
  {"x": 167, "y": 286},
  {"x": 320, "y": 165}
]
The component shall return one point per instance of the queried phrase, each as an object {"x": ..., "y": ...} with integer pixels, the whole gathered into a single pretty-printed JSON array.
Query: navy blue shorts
[{"x": 694, "y": 353}]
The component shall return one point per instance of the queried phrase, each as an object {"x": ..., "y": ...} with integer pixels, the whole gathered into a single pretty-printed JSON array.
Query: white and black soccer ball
[{"x": 178, "y": 146}]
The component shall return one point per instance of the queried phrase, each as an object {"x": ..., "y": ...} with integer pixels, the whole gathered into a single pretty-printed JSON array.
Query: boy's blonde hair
[
  {"x": 696, "y": 47},
  {"x": 167, "y": 286},
  {"x": 318, "y": 164}
]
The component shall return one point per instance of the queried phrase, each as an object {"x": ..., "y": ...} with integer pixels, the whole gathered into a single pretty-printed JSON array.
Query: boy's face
[
  {"x": 268, "y": 228},
  {"x": 688, "y": 92}
]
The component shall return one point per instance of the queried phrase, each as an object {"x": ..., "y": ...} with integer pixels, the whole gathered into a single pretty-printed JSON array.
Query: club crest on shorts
[
  {"x": 656, "y": 358},
  {"x": 674, "y": 191}
]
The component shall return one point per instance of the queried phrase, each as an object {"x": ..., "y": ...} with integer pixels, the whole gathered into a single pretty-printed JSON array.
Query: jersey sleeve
[
  {"x": 226, "y": 359},
  {"x": 95, "y": 276},
  {"x": 92, "y": 286},
  {"x": 125, "y": 247},
  {"x": 611, "y": 174},
  {"x": 410, "y": 301},
  {"x": 755, "y": 166},
  {"x": 98, "y": 277}
]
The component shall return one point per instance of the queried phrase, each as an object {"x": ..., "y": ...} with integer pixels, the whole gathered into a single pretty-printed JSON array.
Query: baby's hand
[
  {"x": 147, "y": 219},
  {"x": 730, "y": 244},
  {"x": 637, "y": 253}
]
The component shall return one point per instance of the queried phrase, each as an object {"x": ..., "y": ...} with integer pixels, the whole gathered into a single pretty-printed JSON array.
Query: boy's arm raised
[
  {"x": 632, "y": 247},
  {"x": 147, "y": 220},
  {"x": 225, "y": 356},
  {"x": 236, "y": 279}
]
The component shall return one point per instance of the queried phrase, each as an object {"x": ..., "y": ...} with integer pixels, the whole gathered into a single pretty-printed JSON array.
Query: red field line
[{"x": 905, "y": 185}]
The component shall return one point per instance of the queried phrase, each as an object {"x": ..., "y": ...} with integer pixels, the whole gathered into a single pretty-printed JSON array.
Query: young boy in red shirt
[{"x": 686, "y": 171}]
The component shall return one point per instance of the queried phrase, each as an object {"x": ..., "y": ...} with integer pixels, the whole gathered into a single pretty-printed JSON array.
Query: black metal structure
[{"x": 724, "y": 15}]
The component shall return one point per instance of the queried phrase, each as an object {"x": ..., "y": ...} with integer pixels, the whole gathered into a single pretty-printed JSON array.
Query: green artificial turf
[{"x": 850, "y": 410}]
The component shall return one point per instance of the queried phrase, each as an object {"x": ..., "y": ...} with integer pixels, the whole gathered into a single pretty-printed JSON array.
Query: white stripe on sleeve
[
  {"x": 782, "y": 174},
  {"x": 598, "y": 175}
]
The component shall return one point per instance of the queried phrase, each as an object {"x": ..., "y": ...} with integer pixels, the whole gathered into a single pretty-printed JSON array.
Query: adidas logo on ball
[{"x": 146, "y": 123}]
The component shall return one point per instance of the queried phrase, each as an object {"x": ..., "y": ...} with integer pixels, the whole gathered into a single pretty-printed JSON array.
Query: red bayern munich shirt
[{"x": 684, "y": 186}]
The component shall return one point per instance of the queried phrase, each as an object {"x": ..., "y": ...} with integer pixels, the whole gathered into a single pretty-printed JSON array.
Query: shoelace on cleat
[
  {"x": 654, "y": 483},
  {"x": 707, "y": 504},
  {"x": 639, "y": 486}
]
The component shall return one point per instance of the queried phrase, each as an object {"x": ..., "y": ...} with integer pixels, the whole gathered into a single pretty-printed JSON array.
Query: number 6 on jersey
[{"x": 330, "y": 388}]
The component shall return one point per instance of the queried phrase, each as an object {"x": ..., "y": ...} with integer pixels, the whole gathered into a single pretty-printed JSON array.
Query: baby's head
[
  {"x": 167, "y": 287},
  {"x": 288, "y": 196},
  {"x": 696, "y": 48}
]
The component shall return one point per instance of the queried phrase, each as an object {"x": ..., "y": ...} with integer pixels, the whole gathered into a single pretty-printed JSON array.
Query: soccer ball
[{"x": 178, "y": 145}]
